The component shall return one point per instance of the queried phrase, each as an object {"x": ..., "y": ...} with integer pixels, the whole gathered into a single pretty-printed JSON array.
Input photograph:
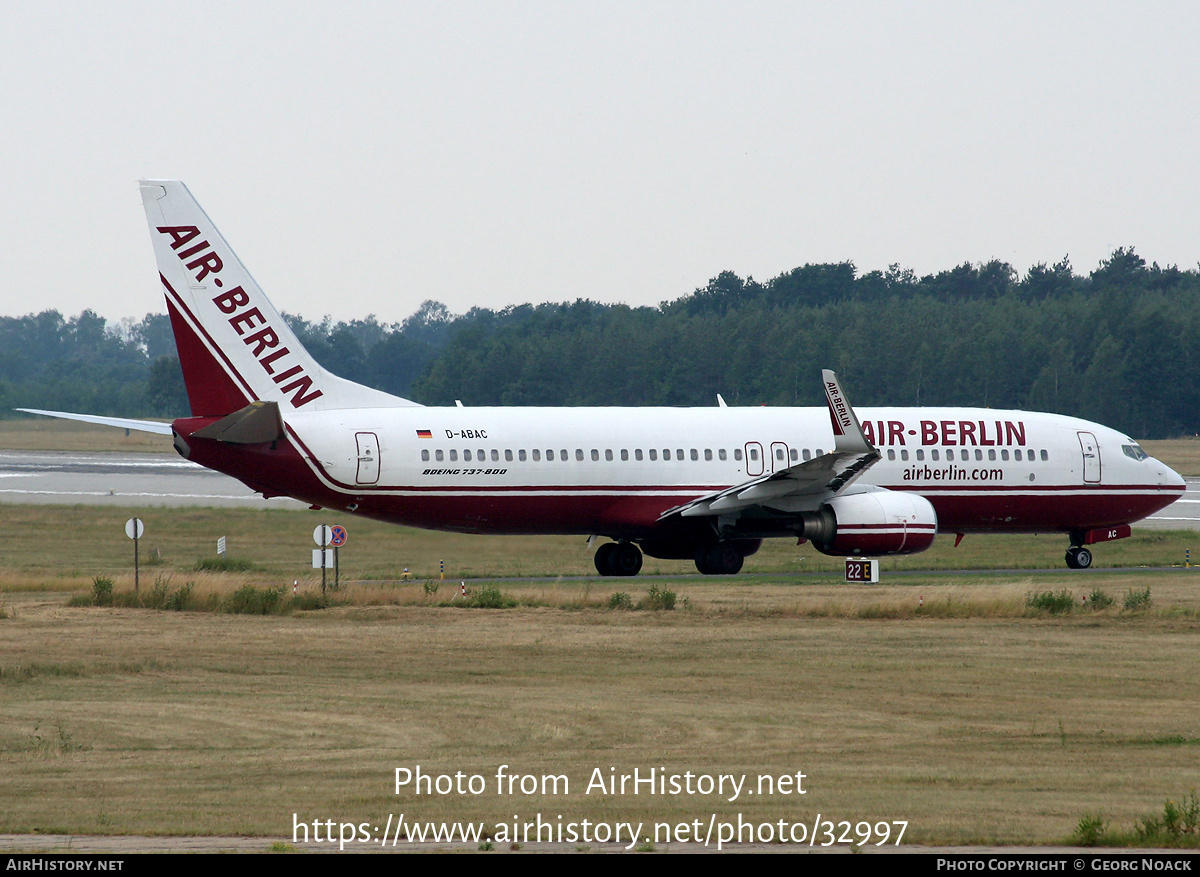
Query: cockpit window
[{"x": 1134, "y": 451}]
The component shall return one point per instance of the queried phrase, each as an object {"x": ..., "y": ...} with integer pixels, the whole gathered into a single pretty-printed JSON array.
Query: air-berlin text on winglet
[
  {"x": 203, "y": 261},
  {"x": 838, "y": 410}
]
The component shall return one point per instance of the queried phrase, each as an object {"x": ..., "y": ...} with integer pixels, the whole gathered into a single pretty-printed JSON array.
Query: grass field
[
  {"x": 989, "y": 729},
  {"x": 940, "y": 699}
]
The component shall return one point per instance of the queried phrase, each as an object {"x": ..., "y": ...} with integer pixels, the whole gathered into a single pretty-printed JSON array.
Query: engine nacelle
[{"x": 875, "y": 522}]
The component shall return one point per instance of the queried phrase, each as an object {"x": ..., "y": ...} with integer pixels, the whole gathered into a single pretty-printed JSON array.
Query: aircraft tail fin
[{"x": 233, "y": 345}]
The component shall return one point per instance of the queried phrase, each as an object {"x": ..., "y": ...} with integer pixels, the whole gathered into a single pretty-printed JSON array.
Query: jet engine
[{"x": 874, "y": 522}]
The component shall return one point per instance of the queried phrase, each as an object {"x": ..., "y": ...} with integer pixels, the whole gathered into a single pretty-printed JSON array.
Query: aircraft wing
[
  {"x": 119, "y": 422},
  {"x": 805, "y": 485}
]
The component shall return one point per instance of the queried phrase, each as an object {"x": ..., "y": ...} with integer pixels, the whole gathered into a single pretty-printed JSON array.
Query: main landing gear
[
  {"x": 618, "y": 559},
  {"x": 722, "y": 559}
]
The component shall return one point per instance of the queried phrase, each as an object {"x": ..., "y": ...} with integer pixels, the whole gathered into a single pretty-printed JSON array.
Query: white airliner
[{"x": 705, "y": 484}]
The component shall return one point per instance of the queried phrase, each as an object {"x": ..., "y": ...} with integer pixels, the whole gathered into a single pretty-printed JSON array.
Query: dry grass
[{"x": 975, "y": 729}]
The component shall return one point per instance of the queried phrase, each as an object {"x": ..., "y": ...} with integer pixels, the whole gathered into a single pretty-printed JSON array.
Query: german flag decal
[{"x": 424, "y": 433}]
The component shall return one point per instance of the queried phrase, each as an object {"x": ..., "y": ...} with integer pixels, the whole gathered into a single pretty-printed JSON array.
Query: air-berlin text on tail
[
  {"x": 952, "y": 433},
  {"x": 203, "y": 261}
]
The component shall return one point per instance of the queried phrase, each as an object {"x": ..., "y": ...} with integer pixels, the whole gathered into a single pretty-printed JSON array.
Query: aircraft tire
[
  {"x": 603, "y": 559},
  {"x": 1078, "y": 557},
  {"x": 723, "y": 559},
  {"x": 625, "y": 559}
]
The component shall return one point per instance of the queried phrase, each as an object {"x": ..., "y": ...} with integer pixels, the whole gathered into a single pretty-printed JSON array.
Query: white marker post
[
  {"x": 134, "y": 528},
  {"x": 322, "y": 536}
]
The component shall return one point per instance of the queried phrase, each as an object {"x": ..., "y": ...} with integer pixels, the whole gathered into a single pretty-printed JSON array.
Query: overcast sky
[{"x": 363, "y": 157}]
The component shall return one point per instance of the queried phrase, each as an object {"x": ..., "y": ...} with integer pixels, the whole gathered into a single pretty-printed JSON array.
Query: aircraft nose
[{"x": 1168, "y": 477}]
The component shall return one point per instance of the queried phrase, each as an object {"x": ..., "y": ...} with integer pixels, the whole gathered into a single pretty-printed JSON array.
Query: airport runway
[
  {"x": 1183, "y": 514},
  {"x": 122, "y": 480},
  {"x": 163, "y": 480}
]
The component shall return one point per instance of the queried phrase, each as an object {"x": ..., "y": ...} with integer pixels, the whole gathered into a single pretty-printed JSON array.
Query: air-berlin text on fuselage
[
  {"x": 202, "y": 261},
  {"x": 951, "y": 433}
]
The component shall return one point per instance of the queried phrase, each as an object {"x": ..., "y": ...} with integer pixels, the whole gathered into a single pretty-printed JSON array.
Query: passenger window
[
  {"x": 795, "y": 455},
  {"x": 481, "y": 456},
  {"x": 933, "y": 455},
  {"x": 904, "y": 455},
  {"x": 1017, "y": 454},
  {"x": 737, "y": 454},
  {"x": 695, "y": 455},
  {"x": 579, "y": 454},
  {"x": 754, "y": 454},
  {"x": 495, "y": 456},
  {"x": 950, "y": 453},
  {"x": 624, "y": 454},
  {"x": 562, "y": 455},
  {"x": 550, "y": 455},
  {"x": 425, "y": 456},
  {"x": 467, "y": 456},
  {"x": 978, "y": 454},
  {"x": 666, "y": 453},
  {"x": 921, "y": 454},
  {"x": 991, "y": 454},
  {"x": 1004, "y": 454},
  {"x": 608, "y": 455},
  {"x": 721, "y": 454},
  {"x": 507, "y": 455},
  {"x": 595, "y": 456},
  {"x": 453, "y": 456},
  {"x": 637, "y": 454},
  {"x": 807, "y": 455},
  {"x": 1045, "y": 456},
  {"x": 537, "y": 455},
  {"x": 521, "y": 455},
  {"x": 708, "y": 454},
  {"x": 679, "y": 454},
  {"x": 779, "y": 454},
  {"x": 653, "y": 454},
  {"x": 891, "y": 453}
]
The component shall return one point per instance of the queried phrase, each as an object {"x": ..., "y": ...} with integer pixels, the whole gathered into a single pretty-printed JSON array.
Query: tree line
[{"x": 1117, "y": 345}]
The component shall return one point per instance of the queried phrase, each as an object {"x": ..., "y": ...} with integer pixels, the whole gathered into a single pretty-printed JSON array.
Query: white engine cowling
[{"x": 875, "y": 522}]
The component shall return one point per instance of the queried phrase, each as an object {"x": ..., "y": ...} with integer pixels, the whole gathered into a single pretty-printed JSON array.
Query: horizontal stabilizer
[{"x": 119, "y": 422}]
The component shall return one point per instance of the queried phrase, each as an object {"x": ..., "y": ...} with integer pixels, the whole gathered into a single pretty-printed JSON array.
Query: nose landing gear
[{"x": 1078, "y": 557}]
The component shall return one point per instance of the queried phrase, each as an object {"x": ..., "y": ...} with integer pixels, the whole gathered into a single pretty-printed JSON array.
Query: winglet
[{"x": 848, "y": 436}]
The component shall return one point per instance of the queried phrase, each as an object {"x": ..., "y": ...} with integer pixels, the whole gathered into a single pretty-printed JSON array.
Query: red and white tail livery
[{"x": 705, "y": 484}]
